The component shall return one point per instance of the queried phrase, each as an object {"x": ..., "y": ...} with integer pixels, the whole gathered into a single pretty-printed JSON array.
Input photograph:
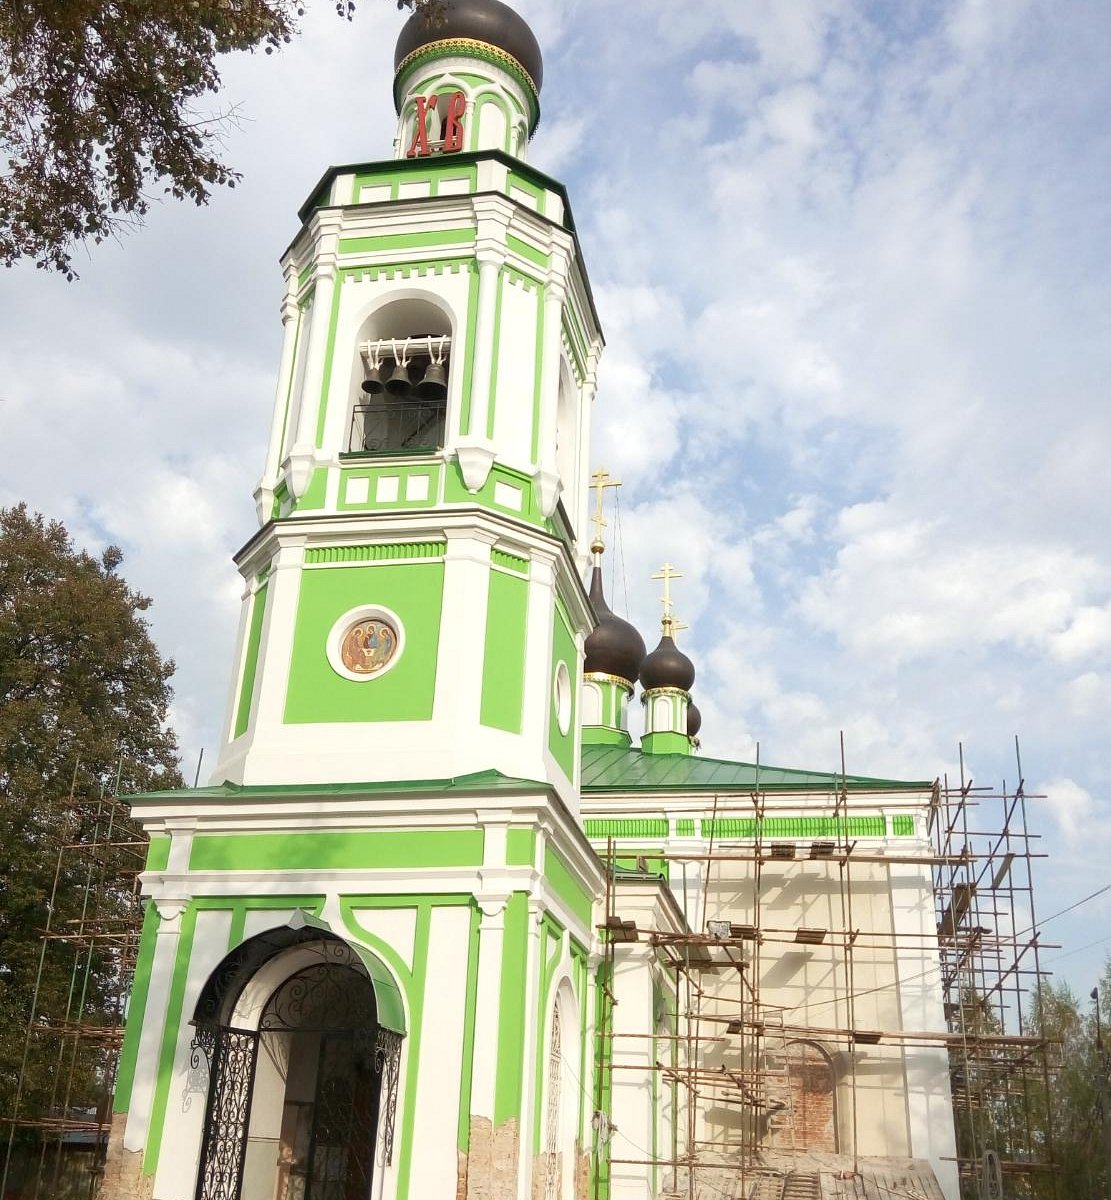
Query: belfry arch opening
[
  {"x": 400, "y": 379},
  {"x": 300, "y": 1033}
]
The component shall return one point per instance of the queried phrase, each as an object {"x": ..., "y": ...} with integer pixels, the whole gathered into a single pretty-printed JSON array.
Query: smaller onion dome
[
  {"x": 615, "y": 647},
  {"x": 667, "y": 667},
  {"x": 694, "y": 720}
]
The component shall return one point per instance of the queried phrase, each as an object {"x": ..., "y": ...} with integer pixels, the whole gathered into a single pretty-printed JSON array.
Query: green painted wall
[
  {"x": 511, "y": 1011},
  {"x": 250, "y": 665},
  {"x": 520, "y": 847},
  {"x": 562, "y": 745},
  {"x": 314, "y": 495},
  {"x": 137, "y": 1004},
  {"x": 404, "y": 693},
  {"x": 667, "y": 742},
  {"x": 566, "y": 886},
  {"x": 455, "y": 492},
  {"x": 158, "y": 853},
  {"x": 503, "y": 667},
  {"x": 463, "y": 1133},
  {"x": 174, "y": 1006},
  {"x": 306, "y": 850}
]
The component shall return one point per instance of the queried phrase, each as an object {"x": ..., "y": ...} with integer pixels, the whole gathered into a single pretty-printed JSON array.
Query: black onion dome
[
  {"x": 694, "y": 720},
  {"x": 667, "y": 667},
  {"x": 487, "y": 21},
  {"x": 615, "y": 647}
]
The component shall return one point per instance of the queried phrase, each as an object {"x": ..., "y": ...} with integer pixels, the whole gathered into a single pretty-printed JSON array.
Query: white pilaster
[
  {"x": 476, "y": 451},
  {"x": 491, "y": 940},
  {"x": 298, "y": 465},
  {"x": 154, "y": 1022},
  {"x": 555, "y": 296},
  {"x": 929, "y": 1099},
  {"x": 264, "y": 493}
]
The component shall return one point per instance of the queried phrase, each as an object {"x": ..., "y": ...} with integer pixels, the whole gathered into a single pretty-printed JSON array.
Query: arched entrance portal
[{"x": 301, "y": 1033}]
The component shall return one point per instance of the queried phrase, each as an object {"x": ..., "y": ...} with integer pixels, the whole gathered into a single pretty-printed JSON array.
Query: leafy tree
[
  {"x": 83, "y": 703},
  {"x": 1078, "y": 1088},
  {"x": 98, "y": 107}
]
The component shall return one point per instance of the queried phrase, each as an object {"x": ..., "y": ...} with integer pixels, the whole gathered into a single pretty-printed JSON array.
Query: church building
[{"x": 440, "y": 927}]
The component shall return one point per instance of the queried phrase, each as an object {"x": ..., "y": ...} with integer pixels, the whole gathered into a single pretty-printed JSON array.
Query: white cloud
[{"x": 852, "y": 266}]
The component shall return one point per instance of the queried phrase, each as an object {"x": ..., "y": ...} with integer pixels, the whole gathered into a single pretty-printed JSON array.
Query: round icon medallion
[{"x": 368, "y": 646}]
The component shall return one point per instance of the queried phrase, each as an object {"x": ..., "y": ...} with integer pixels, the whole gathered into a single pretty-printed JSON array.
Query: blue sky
[{"x": 852, "y": 263}]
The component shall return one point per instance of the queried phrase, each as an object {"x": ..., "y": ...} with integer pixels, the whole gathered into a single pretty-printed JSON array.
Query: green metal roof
[
  {"x": 625, "y": 769},
  {"x": 604, "y": 769},
  {"x": 480, "y": 781}
]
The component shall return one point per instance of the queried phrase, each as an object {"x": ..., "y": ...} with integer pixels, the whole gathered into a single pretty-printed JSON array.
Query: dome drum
[{"x": 482, "y": 29}]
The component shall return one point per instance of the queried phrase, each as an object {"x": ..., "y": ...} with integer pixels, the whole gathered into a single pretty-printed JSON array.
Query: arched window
[
  {"x": 592, "y": 704},
  {"x": 552, "y": 1117},
  {"x": 400, "y": 380},
  {"x": 555, "y": 1170}
]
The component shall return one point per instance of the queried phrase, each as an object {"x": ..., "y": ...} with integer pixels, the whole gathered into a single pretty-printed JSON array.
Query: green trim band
[
  {"x": 306, "y": 850},
  {"x": 408, "y": 241},
  {"x": 510, "y": 562},
  {"x": 794, "y": 827},
  {"x": 379, "y": 553},
  {"x": 626, "y": 827}
]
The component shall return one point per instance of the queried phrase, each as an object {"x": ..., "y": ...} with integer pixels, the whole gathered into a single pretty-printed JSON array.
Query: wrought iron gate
[{"x": 354, "y": 1088}]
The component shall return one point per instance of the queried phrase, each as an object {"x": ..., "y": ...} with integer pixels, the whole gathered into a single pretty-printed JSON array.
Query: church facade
[{"x": 431, "y": 930}]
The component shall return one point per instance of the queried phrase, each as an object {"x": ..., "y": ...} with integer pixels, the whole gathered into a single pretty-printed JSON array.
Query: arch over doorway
[{"x": 301, "y": 1033}]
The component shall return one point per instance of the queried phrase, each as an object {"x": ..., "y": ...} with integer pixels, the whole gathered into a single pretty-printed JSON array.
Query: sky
[{"x": 853, "y": 262}]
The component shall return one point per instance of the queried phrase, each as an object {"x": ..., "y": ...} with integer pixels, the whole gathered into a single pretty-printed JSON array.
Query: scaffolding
[
  {"x": 991, "y": 975},
  {"x": 736, "y": 1046},
  {"x": 55, "y": 1141}
]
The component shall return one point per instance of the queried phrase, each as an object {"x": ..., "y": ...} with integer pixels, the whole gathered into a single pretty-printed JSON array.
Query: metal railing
[{"x": 397, "y": 426}]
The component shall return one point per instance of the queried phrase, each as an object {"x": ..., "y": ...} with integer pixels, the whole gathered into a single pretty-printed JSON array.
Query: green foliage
[
  {"x": 1079, "y": 1074},
  {"x": 83, "y": 706},
  {"x": 1049, "y": 1120},
  {"x": 99, "y": 110}
]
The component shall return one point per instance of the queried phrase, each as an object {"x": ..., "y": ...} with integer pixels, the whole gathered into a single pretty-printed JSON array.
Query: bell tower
[{"x": 413, "y": 605}]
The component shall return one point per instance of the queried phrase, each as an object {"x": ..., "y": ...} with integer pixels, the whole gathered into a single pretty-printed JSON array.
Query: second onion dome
[
  {"x": 667, "y": 666},
  {"x": 615, "y": 647}
]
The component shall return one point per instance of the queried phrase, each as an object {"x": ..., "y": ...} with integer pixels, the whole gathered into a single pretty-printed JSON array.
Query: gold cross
[
  {"x": 599, "y": 481},
  {"x": 667, "y": 573},
  {"x": 672, "y": 625}
]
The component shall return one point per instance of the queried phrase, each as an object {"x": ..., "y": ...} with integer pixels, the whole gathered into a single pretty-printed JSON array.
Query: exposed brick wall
[
  {"x": 812, "y": 1099},
  {"x": 491, "y": 1165},
  {"x": 123, "y": 1169}
]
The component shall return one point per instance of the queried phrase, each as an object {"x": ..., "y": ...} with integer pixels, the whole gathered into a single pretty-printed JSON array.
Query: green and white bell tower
[
  {"x": 385, "y": 894},
  {"x": 425, "y": 481}
]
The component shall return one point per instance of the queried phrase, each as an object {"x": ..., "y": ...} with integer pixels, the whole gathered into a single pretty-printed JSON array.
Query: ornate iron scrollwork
[
  {"x": 325, "y": 996},
  {"x": 355, "y": 1077},
  {"x": 200, "y": 1067},
  {"x": 227, "y": 1114},
  {"x": 387, "y": 1064}
]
